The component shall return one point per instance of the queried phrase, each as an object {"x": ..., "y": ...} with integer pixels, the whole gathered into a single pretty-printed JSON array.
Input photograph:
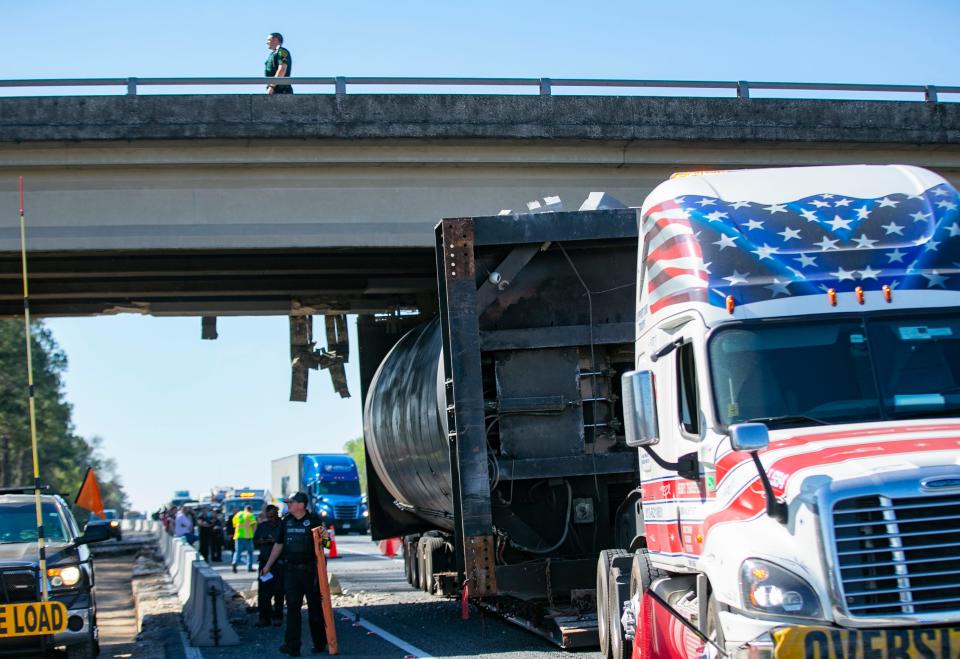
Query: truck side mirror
[
  {"x": 639, "y": 409},
  {"x": 749, "y": 437}
]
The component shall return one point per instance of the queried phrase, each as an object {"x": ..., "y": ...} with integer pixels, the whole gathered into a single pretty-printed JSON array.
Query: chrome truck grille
[
  {"x": 345, "y": 512},
  {"x": 898, "y": 556}
]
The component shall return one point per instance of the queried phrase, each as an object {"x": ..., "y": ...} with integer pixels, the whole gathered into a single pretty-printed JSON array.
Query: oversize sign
[
  {"x": 32, "y": 619},
  {"x": 830, "y": 643}
]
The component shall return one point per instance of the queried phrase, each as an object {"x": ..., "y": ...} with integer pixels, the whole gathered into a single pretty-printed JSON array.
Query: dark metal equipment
[
  {"x": 498, "y": 424},
  {"x": 304, "y": 355}
]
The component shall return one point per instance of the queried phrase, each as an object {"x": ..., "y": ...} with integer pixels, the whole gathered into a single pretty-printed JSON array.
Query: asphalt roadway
[{"x": 379, "y": 615}]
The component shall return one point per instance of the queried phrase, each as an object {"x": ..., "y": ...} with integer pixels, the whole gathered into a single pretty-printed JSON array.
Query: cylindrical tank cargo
[{"x": 405, "y": 425}]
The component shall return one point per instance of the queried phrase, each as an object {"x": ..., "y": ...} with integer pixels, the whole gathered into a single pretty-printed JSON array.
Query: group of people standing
[{"x": 286, "y": 557}]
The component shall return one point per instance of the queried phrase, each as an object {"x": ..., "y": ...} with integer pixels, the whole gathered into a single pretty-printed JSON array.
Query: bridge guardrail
[{"x": 742, "y": 88}]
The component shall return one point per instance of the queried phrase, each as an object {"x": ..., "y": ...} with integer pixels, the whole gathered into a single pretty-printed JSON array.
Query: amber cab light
[
  {"x": 731, "y": 304},
  {"x": 859, "y": 291},
  {"x": 832, "y": 296},
  {"x": 887, "y": 293}
]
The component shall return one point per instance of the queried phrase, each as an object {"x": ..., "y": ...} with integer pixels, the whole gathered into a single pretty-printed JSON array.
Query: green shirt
[{"x": 280, "y": 56}]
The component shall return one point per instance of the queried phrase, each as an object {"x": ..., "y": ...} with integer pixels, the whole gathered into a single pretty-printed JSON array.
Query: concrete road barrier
[{"x": 200, "y": 591}]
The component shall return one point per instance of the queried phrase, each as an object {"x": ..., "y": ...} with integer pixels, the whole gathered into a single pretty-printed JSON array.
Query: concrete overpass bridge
[{"x": 325, "y": 203}]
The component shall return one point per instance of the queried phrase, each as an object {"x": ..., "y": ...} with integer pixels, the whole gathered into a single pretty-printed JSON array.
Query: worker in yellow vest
[{"x": 244, "y": 526}]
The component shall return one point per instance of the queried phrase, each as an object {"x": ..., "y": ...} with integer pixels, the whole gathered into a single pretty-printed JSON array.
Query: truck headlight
[
  {"x": 771, "y": 589},
  {"x": 64, "y": 576},
  {"x": 366, "y": 513}
]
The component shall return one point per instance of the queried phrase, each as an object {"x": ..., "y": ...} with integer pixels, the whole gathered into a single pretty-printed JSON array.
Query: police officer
[
  {"x": 269, "y": 593},
  {"x": 295, "y": 545},
  {"x": 279, "y": 64}
]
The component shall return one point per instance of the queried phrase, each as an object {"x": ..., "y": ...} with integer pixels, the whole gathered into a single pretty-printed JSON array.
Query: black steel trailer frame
[{"x": 510, "y": 286}]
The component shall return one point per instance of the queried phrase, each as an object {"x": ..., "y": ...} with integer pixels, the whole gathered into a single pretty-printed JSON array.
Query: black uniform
[
  {"x": 279, "y": 56},
  {"x": 216, "y": 539},
  {"x": 300, "y": 578},
  {"x": 269, "y": 593}
]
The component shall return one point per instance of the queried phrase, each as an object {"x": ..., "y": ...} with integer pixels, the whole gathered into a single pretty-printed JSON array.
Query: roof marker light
[
  {"x": 859, "y": 291},
  {"x": 731, "y": 304},
  {"x": 887, "y": 293},
  {"x": 832, "y": 296}
]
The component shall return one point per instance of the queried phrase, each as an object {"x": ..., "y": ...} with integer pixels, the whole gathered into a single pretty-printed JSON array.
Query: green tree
[
  {"x": 64, "y": 456},
  {"x": 354, "y": 448}
]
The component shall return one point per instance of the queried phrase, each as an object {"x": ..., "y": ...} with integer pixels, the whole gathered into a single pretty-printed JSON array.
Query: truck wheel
[
  {"x": 422, "y": 564},
  {"x": 604, "y": 562},
  {"x": 714, "y": 629},
  {"x": 642, "y": 574},
  {"x": 619, "y": 592},
  {"x": 407, "y": 572},
  {"x": 430, "y": 549},
  {"x": 411, "y": 546}
]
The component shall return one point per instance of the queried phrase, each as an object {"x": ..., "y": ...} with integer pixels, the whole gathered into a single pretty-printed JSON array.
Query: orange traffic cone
[
  {"x": 389, "y": 547},
  {"x": 333, "y": 545}
]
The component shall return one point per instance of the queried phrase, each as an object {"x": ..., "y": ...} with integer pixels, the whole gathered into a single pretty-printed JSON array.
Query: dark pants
[
  {"x": 270, "y": 593},
  {"x": 283, "y": 89},
  {"x": 300, "y": 581},
  {"x": 205, "y": 542},
  {"x": 216, "y": 544}
]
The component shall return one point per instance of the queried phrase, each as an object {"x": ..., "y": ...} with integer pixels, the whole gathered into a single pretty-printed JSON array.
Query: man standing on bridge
[
  {"x": 295, "y": 545},
  {"x": 279, "y": 64}
]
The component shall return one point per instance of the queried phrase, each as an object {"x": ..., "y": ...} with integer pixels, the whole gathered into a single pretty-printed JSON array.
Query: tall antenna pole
[{"x": 41, "y": 541}]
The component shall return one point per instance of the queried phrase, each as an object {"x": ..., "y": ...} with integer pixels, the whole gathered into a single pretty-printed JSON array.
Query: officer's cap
[{"x": 299, "y": 497}]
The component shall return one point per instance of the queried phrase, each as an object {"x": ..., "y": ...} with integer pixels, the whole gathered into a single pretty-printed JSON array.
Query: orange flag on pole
[{"x": 89, "y": 495}]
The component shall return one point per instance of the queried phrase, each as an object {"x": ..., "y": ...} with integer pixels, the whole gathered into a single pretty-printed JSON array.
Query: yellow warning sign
[{"x": 32, "y": 619}]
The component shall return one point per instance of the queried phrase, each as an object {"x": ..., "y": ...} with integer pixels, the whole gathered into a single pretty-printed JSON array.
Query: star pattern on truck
[{"x": 826, "y": 241}]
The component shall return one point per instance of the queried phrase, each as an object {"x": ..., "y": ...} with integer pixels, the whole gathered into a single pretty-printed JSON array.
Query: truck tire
[
  {"x": 431, "y": 549},
  {"x": 411, "y": 547},
  {"x": 604, "y": 562},
  {"x": 422, "y": 564},
  {"x": 642, "y": 574},
  {"x": 618, "y": 592},
  {"x": 407, "y": 572},
  {"x": 714, "y": 629}
]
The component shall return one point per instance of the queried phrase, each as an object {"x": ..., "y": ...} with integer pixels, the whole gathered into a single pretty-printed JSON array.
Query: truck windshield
[
  {"x": 348, "y": 488},
  {"x": 837, "y": 371},
  {"x": 18, "y": 523}
]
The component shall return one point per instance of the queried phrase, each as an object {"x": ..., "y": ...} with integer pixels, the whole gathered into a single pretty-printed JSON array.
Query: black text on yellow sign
[
  {"x": 33, "y": 619},
  {"x": 831, "y": 643}
]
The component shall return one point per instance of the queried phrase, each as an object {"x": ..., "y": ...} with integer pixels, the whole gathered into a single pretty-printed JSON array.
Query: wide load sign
[
  {"x": 32, "y": 619},
  {"x": 814, "y": 642}
]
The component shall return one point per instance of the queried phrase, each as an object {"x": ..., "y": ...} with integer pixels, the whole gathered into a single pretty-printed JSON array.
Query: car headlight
[
  {"x": 64, "y": 576},
  {"x": 771, "y": 589},
  {"x": 114, "y": 523}
]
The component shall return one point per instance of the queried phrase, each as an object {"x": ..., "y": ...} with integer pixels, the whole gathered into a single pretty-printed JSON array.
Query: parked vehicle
[
  {"x": 332, "y": 482},
  {"x": 782, "y": 472},
  {"x": 70, "y": 576},
  {"x": 796, "y": 401},
  {"x": 110, "y": 519}
]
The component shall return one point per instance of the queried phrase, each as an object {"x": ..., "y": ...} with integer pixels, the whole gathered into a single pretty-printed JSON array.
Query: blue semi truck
[{"x": 332, "y": 482}]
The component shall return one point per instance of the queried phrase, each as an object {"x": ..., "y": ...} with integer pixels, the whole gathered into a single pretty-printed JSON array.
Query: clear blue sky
[{"x": 177, "y": 412}]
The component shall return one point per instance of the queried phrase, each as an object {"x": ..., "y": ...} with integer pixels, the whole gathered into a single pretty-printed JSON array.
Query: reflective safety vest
[{"x": 244, "y": 525}]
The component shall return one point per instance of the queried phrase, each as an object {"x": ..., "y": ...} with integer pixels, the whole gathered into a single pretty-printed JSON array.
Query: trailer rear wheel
[
  {"x": 607, "y": 558},
  {"x": 431, "y": 548},
  {"x": 411, "y": 556}
]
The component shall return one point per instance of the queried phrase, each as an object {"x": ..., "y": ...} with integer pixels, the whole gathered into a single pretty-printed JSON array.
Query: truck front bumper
[
  {"x": 78, "y": 629},
  {"x": 773, "y": 640}
]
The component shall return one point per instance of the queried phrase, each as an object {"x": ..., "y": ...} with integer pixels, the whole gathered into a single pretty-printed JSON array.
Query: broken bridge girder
[{"x": 304, "y": 355}]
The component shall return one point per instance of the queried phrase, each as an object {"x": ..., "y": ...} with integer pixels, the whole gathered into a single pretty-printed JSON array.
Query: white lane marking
[
  {"x": 188, "y": 650},
  {"x": 411, "y": 650}
]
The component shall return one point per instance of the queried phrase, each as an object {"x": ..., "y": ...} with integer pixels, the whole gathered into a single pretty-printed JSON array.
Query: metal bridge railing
[{"x": 742, "y": 88}]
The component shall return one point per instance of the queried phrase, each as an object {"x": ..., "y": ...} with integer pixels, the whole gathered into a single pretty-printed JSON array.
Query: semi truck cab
[{"x": 796, "y": 407}]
